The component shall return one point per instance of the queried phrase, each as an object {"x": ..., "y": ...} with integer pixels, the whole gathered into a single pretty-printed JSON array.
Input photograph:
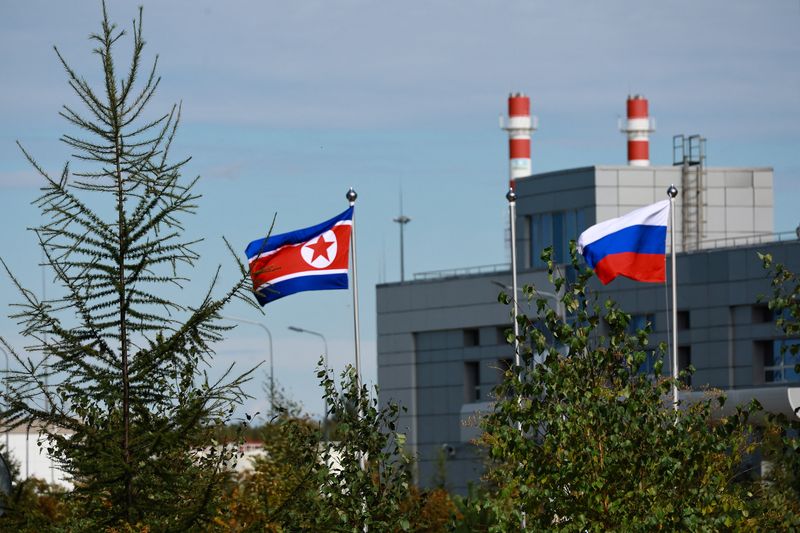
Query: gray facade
[
  {"x": 440, "y": 344},
  {"x": 735, "y": 203}
]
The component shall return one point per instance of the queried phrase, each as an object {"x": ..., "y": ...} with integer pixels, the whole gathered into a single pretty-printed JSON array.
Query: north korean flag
[{"x": 309, "y": 259}]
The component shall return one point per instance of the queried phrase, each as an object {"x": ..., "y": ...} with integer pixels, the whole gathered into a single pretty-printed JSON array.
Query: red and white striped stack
[
  {"x": 519, "y": 128},
  {"x": 638, "y": 127}
]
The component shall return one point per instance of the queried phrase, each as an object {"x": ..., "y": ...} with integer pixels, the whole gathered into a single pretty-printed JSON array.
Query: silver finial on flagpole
[
  {"x": 351, "y": 197},
  {"x": 511, "y": 196},
  {"x": 672, "y": 192}
]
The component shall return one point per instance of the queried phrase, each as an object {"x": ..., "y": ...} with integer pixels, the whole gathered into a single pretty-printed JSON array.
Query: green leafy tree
[
  {"x": 366, "y": 476},
  {"x": 586, "y": 441},
  {"x": 785, "y": 299},
  {"x": 783, "y": 443},
  {"x": 117, "y": 376},
  {"x": 279, "y": 492},
  {"x": 359, "y": 478}
]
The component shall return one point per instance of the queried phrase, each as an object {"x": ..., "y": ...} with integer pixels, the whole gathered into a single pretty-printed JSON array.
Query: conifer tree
[{"x": 115, "y": 369}]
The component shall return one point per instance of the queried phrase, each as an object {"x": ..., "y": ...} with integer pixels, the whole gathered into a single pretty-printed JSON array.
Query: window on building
[
  {"x": 649, "y": 365},
  {"x": 683, "y": 320},
  {"x": 472, "y": 337},
  {"x": 554, "y": 229},
  {"x": 527, "y": 241},
  {"x": 761, "y": 314},
  {"x": 502, "y": 334},
  {"x": 570, "y": 230},
  {"x": 558, "y": 238},
  {"x": 779, "y": 361},
  {"x": 580, "y": 222},
  {"x": 472, "y": 381},
  {"x": 640, "y": 322},
  {"x": 684, "y": 361},
  {"x": 542, "y": 235},
  {"x": 570, "y": 274}
]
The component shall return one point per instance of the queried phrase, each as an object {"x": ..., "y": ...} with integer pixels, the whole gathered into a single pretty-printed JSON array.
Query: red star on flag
[{"x": 320, "y": 249}]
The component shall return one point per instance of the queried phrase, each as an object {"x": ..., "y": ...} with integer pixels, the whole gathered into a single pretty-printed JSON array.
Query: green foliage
[
  {"x": 785, "y": 298},
  {"x": 585, "y": 441},
  {"x": 34, "y": 505},
  {"x": 358, "y": 479},
  {"x": 279, "y": 492},
  {"x": 476, "y": 510},
  {"x": 117, "y": 372},
  {"x": 366, "y": 475},
  {"x": 781, "y": 434}
]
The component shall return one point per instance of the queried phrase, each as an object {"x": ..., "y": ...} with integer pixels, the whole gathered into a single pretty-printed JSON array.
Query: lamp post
[
  {"x": 317, "y": 334},
  {"x": 402, "y": 220},
  {"x": 325, "y": 362},
  {"x": 271, "y": 358}
]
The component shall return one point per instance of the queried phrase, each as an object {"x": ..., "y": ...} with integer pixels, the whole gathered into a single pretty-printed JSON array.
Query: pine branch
[{"x": 124, "y": 365}]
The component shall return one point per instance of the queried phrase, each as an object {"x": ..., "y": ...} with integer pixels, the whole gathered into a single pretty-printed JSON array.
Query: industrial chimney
[
  {"x": 638, "y": 127},
  {"x": 519, "y": 128}
]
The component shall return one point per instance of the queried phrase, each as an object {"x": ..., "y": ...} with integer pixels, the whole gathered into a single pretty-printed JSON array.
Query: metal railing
[
  {"x": 710, "y": 244},
  {"x": 747, "y": 240},
  {"x": 458, "y": 272}
]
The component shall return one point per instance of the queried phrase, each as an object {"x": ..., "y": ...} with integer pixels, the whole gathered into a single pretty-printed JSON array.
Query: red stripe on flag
[
  {"x": 288, "y": 259},
  {"x": 639, "y": 267}
]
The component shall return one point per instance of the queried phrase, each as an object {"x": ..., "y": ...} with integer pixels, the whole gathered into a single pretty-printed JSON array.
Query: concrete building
[
  {"x": 441, "y": 347},
  {"x": 27, "y": 449}
]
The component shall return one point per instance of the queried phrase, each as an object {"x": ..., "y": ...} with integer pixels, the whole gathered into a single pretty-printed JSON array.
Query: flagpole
[
  {"x": 672, "y": 192},
  {"x": 511, "y": 196},
  {"x": 351, "y": 198}
]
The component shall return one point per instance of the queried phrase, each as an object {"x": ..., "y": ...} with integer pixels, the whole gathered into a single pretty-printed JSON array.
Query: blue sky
[{"x": 287, "y": 104}]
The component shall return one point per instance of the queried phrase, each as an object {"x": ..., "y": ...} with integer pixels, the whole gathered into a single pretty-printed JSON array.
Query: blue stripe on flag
[
  {"x": 272, "y": 292},
  {"x": 639, "y": 239},
  {"x": 294, "y": 237}
]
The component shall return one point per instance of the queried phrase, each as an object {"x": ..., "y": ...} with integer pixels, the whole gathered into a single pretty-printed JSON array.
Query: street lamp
[
  {"x": 317, "y": 334},
  {"x": 271, "y": 362},
  {"x": 402, "y": 220},
  {"x": 325, "y": 360}
]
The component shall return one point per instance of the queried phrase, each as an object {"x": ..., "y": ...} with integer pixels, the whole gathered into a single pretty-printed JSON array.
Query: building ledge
[{"x": 776, "y": 399}]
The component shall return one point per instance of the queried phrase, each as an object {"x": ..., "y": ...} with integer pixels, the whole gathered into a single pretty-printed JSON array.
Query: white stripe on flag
[
  {"x": 302, "y": 274},
  {"x": 650, "y": 215},
  {"x": 275, "y": 251}
]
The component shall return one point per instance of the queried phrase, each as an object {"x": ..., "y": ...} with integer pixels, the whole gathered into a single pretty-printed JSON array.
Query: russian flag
[
  {"x": 309, "y": 259},
  {"x": 633, "y": 245}
]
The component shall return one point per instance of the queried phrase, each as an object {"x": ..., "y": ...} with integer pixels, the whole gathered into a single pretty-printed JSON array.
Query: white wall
[{"x": 31, "y": 459}]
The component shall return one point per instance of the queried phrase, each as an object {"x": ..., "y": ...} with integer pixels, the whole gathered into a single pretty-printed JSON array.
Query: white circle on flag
[{"x": 320, "y": 251}]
